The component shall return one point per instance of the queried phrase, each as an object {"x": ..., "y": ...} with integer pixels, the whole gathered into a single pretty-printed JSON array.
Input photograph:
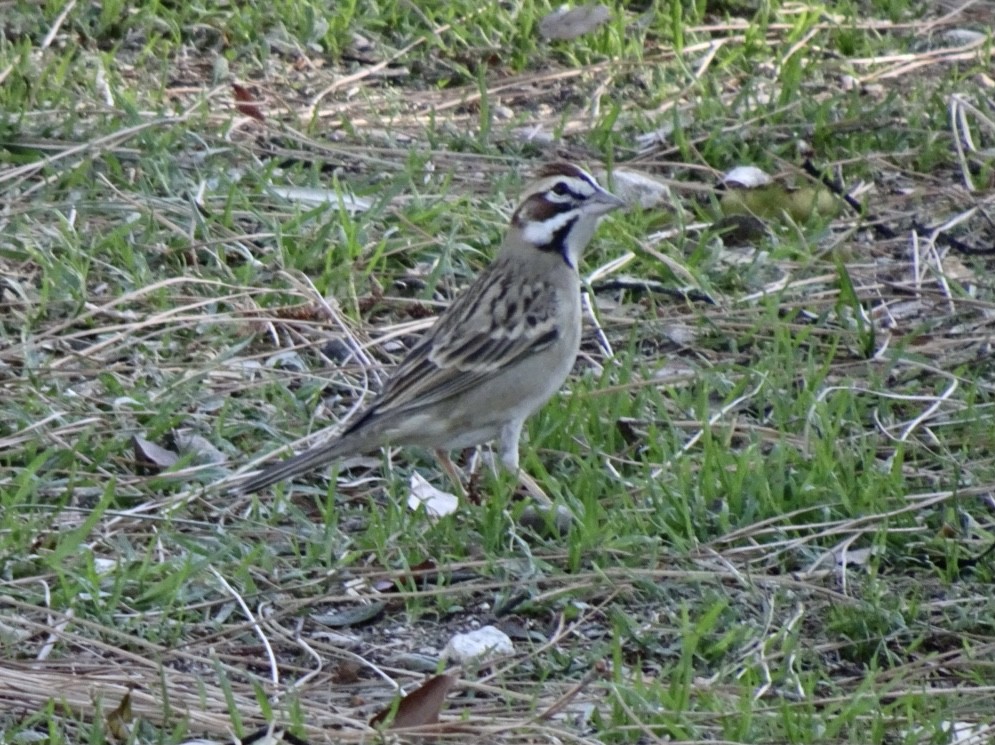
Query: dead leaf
[
  {"x": 420, "y": 707},
  {"x": 203, "y": 450},
  {"x": 746, "y": 177},
  {"x": 570, "y": 23},
  {"x": 346, "y": 672},
  {"x": 855, "y": 557},
  {"x": 118, "y": 721},
  {"x": 245, "y": 103},
  {"x": 352, "y": 616},
  {"x": 308, "y": 195},
  {"x": 954, "y": 268},
  {"x": 147, "y": 453},
  {"x": 437, "y": 503}
]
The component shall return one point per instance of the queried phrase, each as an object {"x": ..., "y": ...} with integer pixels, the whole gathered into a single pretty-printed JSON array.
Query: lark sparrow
[{"x": 500, "y": 350}]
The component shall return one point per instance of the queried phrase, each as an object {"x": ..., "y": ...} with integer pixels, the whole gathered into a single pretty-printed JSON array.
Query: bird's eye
[{"x": 561, "y": 189}]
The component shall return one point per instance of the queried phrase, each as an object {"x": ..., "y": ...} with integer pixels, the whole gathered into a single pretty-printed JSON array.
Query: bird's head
[{"x": 560, "y": 211}]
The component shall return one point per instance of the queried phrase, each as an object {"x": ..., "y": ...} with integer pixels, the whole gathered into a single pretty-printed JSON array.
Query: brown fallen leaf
[
  {"x": 420, "y": 707},
  {"x": 246, "y": 103}
]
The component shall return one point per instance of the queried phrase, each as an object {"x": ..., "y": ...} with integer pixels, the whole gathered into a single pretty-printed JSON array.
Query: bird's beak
[{"x": 604, "y": 202}]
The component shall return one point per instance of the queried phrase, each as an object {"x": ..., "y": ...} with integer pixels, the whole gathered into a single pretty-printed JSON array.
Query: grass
[{"x": 780, "y": 498}]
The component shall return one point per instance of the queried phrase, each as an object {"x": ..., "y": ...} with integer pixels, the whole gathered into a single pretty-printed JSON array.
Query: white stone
[{"x": 481, "y": 645}]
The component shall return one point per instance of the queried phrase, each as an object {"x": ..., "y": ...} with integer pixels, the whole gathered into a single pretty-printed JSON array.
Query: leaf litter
[{"x": 908, "y": 285}]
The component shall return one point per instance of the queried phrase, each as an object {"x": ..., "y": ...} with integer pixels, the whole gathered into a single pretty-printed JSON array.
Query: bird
[{"x": 501, "y": 349}]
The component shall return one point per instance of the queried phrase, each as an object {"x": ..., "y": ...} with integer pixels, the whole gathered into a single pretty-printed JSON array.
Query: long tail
[{"x": 320, "y": 455}]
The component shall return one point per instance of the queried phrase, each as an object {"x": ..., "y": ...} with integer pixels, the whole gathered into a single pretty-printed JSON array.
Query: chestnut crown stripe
[{"x": 562, "y": 169}]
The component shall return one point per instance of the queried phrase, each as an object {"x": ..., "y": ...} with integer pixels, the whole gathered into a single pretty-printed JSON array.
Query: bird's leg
[
  {"x": 508, "y": 439},
  {"x": 511, "y": 433}
]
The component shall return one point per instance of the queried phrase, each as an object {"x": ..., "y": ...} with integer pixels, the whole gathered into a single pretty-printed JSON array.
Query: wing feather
[{"x": 472, "y": 340}]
